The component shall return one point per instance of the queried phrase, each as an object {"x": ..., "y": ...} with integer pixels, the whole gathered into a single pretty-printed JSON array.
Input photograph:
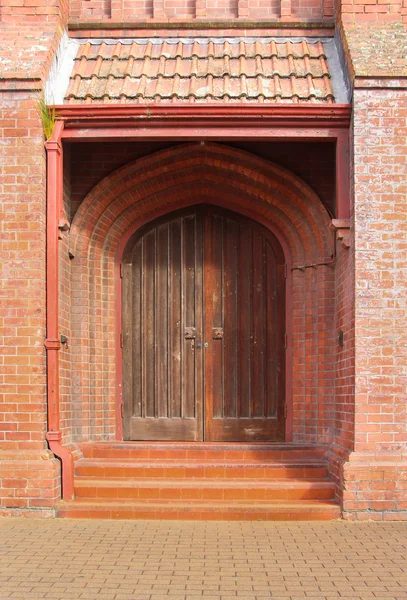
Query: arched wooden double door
[{"x": 203, "y": 329}]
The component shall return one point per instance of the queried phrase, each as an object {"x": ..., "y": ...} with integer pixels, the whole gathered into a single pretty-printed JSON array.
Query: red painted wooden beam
[
  {"x": 203, "y": 121},
  {"x": 196, "y": 110}
]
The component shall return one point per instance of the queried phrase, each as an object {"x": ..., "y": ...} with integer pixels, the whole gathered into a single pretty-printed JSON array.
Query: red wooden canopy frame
[{"x": 189, "y": 122}]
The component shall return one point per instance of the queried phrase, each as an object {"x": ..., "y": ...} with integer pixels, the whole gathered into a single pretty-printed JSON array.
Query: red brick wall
[
  {"x": 137, "y": 10},
  {"x": 22, "y": 280},
  {"x": 344, "y": 359},
  {"x": 29, "y": 474},
  {"x": 345, "y": 367},
  {"x": 376, "y": 475},
  {"x": 186, "y": 10},
  {"x": 380, "y": 142},
  {"x": 372, "y": 10},
  {"x": 221, "y": 9},
  {"x": 29, "y": 483},
  {"x": 28, "y": 477},
  {"x": 262, "y": 9},
  {"x": 33, "y": 11},
  {"x": 311, "y": 9}
]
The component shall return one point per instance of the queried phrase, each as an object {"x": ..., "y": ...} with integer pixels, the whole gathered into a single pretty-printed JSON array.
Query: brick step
[
  {"x": 205, "y": 489},
  {"x": 208, "y": 469},
  {"x": 198, "y": 450},
  {"x": 304, "y": 510}
]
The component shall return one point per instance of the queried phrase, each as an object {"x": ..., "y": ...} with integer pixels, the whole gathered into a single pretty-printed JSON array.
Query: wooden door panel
[
  {"x": 162, "y": 296},
  {"x": 244, "y": 299},
  {"x": 170, "y": 356}
]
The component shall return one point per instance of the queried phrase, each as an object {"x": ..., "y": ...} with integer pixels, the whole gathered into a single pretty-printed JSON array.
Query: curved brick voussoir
[{"x": 259, "y": 184}]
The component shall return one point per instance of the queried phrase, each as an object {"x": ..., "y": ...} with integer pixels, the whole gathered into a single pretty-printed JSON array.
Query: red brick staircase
[{"x": 137, "y": 480}]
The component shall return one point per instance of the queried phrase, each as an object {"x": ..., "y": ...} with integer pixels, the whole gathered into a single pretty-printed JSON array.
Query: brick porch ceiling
[{"x": 209, "y": 70}]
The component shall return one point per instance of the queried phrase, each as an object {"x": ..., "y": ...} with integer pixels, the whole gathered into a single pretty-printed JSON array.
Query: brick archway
[{"x": 182, "y": 176}]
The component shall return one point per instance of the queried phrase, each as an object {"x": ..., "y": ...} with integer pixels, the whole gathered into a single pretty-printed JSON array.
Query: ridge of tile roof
[{"x": 200, "y": 70}]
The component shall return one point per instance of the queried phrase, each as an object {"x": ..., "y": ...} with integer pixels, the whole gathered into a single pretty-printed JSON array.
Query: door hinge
[
  {"x": 285, "y": 411},
  {"x": 285, "y": 341},
  {"x": 121, "y": 411},
  {"x": 121, "y": 270},
  {"x": 121, "y": 340},
  {"x": 285, "y": 271}
]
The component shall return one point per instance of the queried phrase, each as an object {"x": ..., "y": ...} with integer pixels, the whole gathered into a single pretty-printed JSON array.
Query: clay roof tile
[{"x": 201, "y": 70}]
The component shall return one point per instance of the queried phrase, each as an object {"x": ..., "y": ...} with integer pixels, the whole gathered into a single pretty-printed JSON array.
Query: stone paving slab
[{"x": 172, "y": 560}]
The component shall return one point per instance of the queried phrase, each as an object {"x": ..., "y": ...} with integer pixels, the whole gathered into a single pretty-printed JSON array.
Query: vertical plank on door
[
  {"x": 198, "y": 301},
  {"x": 229, "y": 289},
  {"x": 189, "y": 316},
  {"x": 257, "y": 388},
  {"x": 135, "y": 369},
  {"x": 244, "y": 320},
  {"x": 148, "y": 328},
  {"x": 175, "y": 319},
  {"x": 215, "y": 287},
  {"x": 127, "y": 331},
  {"x": 271, "y": 332},
  {"x": 161, "y": 322}
]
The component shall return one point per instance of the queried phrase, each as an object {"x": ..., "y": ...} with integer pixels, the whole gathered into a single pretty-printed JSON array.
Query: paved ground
[{"x": 157, "y": 560}]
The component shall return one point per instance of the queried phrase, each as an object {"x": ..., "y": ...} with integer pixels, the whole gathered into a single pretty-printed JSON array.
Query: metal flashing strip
[
  {"x": 61, "y": 69},
  {"x": 341, "y": 90},
  {"x": 199, "y": 40}
]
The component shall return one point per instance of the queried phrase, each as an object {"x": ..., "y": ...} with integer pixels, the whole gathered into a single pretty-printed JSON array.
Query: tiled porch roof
[{"x": 182, "y": 70}]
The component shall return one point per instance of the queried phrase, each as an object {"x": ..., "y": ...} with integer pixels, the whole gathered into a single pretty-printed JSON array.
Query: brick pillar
[
  {"x": 29, "y": 475},
  {"x": 376, "y": 473}
]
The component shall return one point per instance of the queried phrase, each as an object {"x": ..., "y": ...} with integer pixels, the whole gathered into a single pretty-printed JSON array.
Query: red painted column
[{"x": 52, "y": 343}]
